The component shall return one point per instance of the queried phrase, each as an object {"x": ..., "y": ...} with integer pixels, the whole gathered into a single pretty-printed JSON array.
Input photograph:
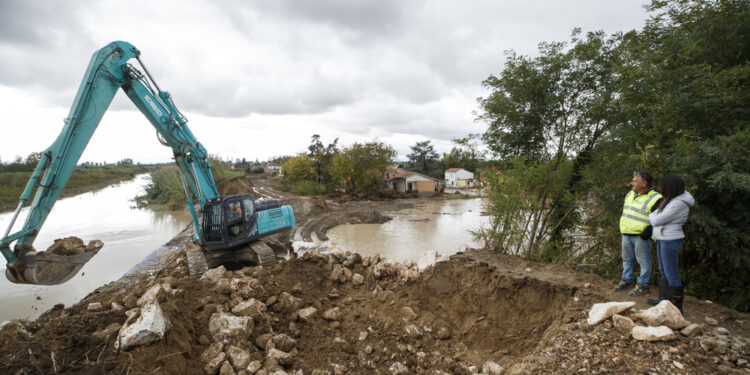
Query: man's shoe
[
  {"x": 638, "y": 291},
  {"x": 623, "y": 285}
]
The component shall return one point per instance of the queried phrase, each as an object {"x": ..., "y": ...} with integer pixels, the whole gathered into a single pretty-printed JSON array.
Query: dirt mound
[
  {"x": 342, "y": 314},
  {"x": 73, "y": 246},
  {"x": 236, "y": 185}
]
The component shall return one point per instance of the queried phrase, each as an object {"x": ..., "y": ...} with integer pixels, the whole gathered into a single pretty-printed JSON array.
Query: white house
[{"x": 459, "y": 178}]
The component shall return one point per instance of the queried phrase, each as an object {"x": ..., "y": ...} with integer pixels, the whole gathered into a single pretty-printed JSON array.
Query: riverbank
[
  {"x": 83, "y": 180},
  {"x": 334, "y": 312}
]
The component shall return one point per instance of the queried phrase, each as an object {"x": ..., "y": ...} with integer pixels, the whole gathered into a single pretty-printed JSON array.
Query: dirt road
[{"x": 340, "y": 314}]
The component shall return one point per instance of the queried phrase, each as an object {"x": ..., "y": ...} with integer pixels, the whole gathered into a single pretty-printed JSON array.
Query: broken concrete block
[
  {"x": 226, "y": 369},
  {"x": 149, "y": 327},
  {"x": 602, "y": 311},
  {"x": 253, "y": 367},
  {"x": 283, "y": 358},
  {"x": 95, "y": 306},
  {"x": 213, "y": 275},
  {"x": 692, "y": 330},
  {"x": 212, "y": 352},
  {"x": 286, "y": 303},
  {"x": 306, "y": 313},
  {"x": 491, "y": 368},
  {"x": 332, "y": 314},
  {"x": 224, "y": 327},
  {"x": 251, "y": 307},
  {"x": 284, "y": 342},
  {"x": 660, "y": 333},
  {"x": 623, "y": 324},
  {"x": 239, "y": 357},
  {"x": 428, "y": 259},
  {"x": 665, "y": 313},
  {"x": 212, "y": 367},
  {"x": 358, "y": 279},
  {"x": 155, "y": 294}
]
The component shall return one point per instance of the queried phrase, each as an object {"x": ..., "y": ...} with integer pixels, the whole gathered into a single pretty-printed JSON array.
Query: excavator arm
[{"x": 108, "y": 71}]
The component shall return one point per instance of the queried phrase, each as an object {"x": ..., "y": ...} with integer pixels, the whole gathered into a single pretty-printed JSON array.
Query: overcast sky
[{"x": 257, "y": 79}]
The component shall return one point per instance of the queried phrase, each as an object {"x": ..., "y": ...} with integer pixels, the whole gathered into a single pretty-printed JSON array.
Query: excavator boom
[{"x": 107, "y": 72}]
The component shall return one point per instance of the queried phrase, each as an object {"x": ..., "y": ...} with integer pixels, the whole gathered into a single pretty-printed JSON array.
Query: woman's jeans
[
  {"x": 634, "y": 248},
  {"x": 668, "y": 254}
]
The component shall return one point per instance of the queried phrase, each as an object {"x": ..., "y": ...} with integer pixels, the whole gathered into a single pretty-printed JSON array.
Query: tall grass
[{"x": 165, "y": 188}]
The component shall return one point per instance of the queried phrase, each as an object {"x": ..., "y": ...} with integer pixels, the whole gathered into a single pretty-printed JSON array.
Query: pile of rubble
[{"x": 340, "y": 313}]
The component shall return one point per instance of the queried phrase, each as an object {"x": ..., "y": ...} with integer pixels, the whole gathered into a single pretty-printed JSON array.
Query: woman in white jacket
[{"x": 667, "y": 221}]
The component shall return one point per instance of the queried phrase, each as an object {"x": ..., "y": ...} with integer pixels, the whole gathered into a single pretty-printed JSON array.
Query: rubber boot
[
  {"x": 662, "y": 293},
  {"x": 674, "y": 295}
]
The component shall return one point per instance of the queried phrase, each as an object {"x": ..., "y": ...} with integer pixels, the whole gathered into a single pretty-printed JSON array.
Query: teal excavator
[{"x": 229, "y": 225}]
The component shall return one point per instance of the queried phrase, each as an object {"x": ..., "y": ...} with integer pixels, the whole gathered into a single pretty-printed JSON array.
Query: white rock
[
  {"x": 223, "y": 326},
  {"x": 665, "y": 313},
  {"x": 721, "y": 331},
  {"x": 661, "y": 333},
  {"x": 212, "y": 352},
  {"x": 226, "y": 369},
  {"x": 428, "y": 259},
  {"x": 491, "y": 368},
  {"x": 283, "y": 342},
  {"x": 306, "y": 313},
  {"x": 362, "y": 335},
  {"x": 358, "y": 279},
  {"x": 149, "y": 327},
  {"x": 602, "y": 311},
  {"x": 692, "y": 330},
  {"x": 212, "y": 367},
  {"x": 283, "y": 358},
  {"x": 116, "y": 306},
  {"x": 332, "y": 314},
  {"x": 95, "y": 306},
  {"x": 214, "y": 274},
  {"x": 678, "y": 365},
  {"x": 155, "y": 294},
  {"x": 398, "y": 368},
  {"x": 251, "y": 307},
  {"x": 711, "y": 321},
  {"x": 240, "y": 357},
  {"x": 253, "y": 367},
  {"x": 622, "y": 324}
]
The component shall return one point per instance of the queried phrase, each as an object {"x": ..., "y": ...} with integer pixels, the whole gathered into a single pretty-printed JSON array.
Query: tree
[
  {"x": 465, "y": 154},
  {"x": 424, "y": 159},
  {"x": 322, "y": 157},
  {"x": 361, "y": 168},
  {"x": 298, "y": 168}
]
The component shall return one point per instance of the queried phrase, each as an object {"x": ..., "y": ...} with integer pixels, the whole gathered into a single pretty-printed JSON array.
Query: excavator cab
[{"x": 238, "y": 219}]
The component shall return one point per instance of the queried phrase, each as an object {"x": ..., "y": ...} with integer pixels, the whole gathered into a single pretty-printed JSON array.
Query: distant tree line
[{"x": 363, "y": 167}]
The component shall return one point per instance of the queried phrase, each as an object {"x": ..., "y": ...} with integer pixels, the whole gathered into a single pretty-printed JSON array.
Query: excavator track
[
  {"x": 266, "y": 256},
  {"x": 197, "y": 264}
]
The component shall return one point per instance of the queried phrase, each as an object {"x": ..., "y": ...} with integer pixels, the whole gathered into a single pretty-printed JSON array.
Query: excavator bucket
[{"x": 47, "y": 268}]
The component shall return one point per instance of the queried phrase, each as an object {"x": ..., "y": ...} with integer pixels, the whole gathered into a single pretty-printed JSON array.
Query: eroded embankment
[{"x": 451, "y": 317}]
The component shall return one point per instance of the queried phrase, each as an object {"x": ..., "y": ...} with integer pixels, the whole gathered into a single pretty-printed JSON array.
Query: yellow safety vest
[{"x": 635, "y": 211}]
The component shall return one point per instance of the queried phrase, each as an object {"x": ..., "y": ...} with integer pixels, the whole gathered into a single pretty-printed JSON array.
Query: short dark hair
[
  {"x": 646, "y": 176},
  {"x": 670, "y": 187}
]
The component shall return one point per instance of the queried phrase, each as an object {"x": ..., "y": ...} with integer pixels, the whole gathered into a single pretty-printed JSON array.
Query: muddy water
[
  {"x": 438, "y": 225},
  {"x": 128, "y": 233}
]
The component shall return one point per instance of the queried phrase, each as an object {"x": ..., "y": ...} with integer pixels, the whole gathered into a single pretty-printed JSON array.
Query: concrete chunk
[
  {"x": 661, "y": 333},
  {"x": 602, "y": 311},
  {"x": 149, "y": 327}
]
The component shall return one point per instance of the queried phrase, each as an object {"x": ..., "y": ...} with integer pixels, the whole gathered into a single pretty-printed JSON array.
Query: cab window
[{"x": 247, "y": 203}]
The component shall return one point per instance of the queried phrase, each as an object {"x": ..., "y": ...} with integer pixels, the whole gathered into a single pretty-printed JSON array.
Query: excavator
[{"x": 230, "y": 226}]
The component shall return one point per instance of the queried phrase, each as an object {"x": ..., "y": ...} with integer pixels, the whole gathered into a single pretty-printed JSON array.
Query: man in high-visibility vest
[{"x": 636, "y": 233}]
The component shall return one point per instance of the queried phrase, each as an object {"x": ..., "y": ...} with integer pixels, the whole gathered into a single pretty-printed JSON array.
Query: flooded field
[
  {"x": 128, "y": 233},
  {"x": 436, "y": 225}
]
